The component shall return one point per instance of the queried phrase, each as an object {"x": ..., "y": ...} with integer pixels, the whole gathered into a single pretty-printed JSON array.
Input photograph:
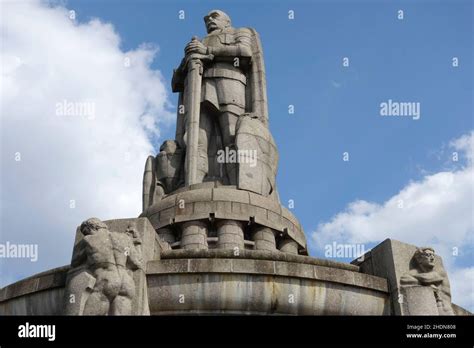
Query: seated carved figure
[
  {"x": 163, "y": 173},
  {"x": 424, "y": 274}
]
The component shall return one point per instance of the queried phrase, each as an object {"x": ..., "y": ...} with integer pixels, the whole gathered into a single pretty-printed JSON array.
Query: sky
[{"x": 402, "y": 179}]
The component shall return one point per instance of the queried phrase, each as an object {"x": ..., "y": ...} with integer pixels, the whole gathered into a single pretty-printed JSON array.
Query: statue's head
[
  {"x": 425, "y": 259},
  {"x": 215, "y": 20},
  {"x": 169, "y": 146},
  {"x": 92, "y": 226},
  {"x": 132, "y": 232}
]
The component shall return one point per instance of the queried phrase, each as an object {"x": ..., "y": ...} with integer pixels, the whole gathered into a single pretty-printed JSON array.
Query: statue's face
[
  {"x": 427, "y": 259},
  {"x": 92, "y": 226},
  {"x": 216, "y": 20},
  {"x": 132, "y": 232},
  {"x": 93, "y": 230}
]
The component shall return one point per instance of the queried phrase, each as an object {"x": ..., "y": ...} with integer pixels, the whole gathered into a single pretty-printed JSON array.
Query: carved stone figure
[
  {"x": 102, "y": 280},
  {"x": 163, "y": 174},
  {"x": 423, "y": 273},
  {"x": 214, "y": 186},
  {"x": 127, "y": 259},
  {"x": 222, "y": 108}
]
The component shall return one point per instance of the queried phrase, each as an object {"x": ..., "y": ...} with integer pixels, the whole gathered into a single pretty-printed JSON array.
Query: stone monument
[
  {"x": 213, "y": 186},
  {"x": 423, "y": 274},
  {"x": 213, "y": 237},
  {"x": 107, "y": 273},
  {"x": 418, "y": 283}
]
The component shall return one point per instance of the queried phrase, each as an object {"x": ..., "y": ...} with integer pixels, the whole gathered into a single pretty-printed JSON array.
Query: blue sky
[{"x": 337, "y": 109}]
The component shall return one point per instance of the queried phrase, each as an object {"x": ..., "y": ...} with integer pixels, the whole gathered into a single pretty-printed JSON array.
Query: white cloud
[
  {"x": 435, "y": 211},
  {"x": 95, "y": 159},
  {"x": 463, "y": 282},
  {"x": 465, "y": 144}
]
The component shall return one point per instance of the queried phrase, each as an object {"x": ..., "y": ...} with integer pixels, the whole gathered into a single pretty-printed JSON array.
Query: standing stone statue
[
  {"x": 222, "y": 109},
  {"x": 423, "y": 274},
  {"x": 101, "y": 280},
  {"x": 213, "y": 186}
]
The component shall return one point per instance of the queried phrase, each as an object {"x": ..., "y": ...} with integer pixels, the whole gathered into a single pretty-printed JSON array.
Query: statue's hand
[{"x": 195, "y": 46}]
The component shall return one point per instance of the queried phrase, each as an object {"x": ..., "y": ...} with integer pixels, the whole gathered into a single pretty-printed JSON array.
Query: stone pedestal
[
  {"x": 209, "y": 215},
  {"x": 220, "y": 282}
]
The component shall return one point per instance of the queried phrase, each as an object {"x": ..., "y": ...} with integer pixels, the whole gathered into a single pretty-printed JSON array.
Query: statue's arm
[
  {"x": 408, "y": 280},
  {"x": 79, "y": 255},
  {"x": 134, "y": 258},
  {"x": 241, "y": 48},
  {"x": 429, "y": 278}
]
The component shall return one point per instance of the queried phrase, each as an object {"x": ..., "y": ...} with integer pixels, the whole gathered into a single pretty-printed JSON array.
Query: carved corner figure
[
  {"x": 423, "y": 274},
  {"x": 102, "y": 280},
  {"x": 222, "y": 108}
]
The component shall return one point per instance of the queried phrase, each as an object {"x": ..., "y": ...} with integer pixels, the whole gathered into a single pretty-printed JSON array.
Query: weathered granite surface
[
  {"x": 107, "y": 274},
  {"x": 217, "y": 281},
  {"x": 50, "y": 279},
  {"x": 417, "y": 280}
]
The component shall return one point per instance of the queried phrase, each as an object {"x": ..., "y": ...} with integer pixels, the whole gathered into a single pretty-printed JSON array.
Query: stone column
[
  {"x": 264, "y": 239},
  {"x": 166, "y": 235},
  {"x": 288, "y": 246},
  {"x": 230, "y": 234},
  {"x": 194, "y": 235}
]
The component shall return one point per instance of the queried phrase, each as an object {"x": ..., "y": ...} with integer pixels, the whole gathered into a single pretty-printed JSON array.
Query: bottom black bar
[{"x": 23, "y": 330}]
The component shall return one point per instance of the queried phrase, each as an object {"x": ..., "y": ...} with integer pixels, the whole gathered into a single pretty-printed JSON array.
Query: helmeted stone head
[
  {"x": 132, "y": 232},
  {"x": 425, "y": 259},
  {"x": 91, "y": 226},
  {"x": 216, "y": 20}
]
